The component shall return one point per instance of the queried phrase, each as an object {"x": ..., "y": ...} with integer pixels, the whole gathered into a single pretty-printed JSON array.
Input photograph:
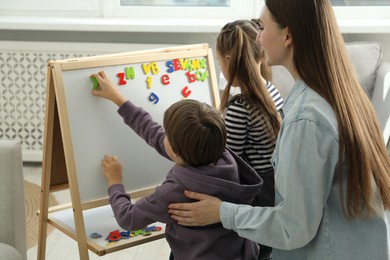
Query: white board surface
[{"x": 97, "y": 129}]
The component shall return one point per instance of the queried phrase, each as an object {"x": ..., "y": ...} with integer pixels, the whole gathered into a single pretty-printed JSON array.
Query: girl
[
  {"x": 331, "y": 165},
  {"x": 251, "y": 117}
]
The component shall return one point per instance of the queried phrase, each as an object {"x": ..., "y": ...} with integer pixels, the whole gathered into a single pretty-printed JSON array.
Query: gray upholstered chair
[{"x": 12, "y": 209}]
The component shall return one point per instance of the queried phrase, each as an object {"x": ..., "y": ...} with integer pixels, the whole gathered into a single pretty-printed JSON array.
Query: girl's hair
[
  {"x": 195, "y": 131},
  {"x": 238, "y": 40},
  {"x": 322, "y": 62}
]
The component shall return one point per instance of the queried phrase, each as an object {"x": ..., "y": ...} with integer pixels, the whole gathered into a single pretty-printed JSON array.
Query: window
[
  {"x": 360, "y": 2},
  {"x": 224, "y": 3},
  {"x": 185, "y": 9},
  {"x": 42, "y": 8},
  {"x": 354, "y": 16},
  {"x": 372, "y": 10}
]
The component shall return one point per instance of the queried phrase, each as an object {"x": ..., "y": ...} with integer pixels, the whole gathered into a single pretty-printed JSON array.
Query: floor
[{"x": 61, "y": 247}]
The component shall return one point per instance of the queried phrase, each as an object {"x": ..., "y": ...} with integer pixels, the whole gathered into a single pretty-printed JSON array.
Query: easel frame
[{"x": 59, "y": 167}]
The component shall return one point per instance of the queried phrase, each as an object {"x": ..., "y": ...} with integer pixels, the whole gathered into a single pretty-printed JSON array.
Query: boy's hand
[
  {"x": 112, "y": 170},
  {"x": 107, "y": 89}
]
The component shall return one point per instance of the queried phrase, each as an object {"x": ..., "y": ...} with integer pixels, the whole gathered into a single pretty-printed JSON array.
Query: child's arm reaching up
[
  {"x": 107, "y": 90},
  {"x": 137, "y": 118}
]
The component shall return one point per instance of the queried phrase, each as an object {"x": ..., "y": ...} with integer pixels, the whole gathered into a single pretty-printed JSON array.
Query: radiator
[{"x": 23, "y": 71}]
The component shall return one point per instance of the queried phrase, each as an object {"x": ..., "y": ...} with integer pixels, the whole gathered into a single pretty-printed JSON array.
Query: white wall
[{"x": 156, "y": 38}]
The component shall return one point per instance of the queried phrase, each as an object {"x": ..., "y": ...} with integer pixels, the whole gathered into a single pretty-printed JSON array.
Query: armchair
[{"x": 12, "y": 209}]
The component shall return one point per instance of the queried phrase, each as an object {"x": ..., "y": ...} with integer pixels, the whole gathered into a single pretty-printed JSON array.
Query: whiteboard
[{"x": 154, "y": 81}]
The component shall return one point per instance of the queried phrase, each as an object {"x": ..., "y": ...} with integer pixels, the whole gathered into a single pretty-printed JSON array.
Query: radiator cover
[{"x": 23, "y": 73}]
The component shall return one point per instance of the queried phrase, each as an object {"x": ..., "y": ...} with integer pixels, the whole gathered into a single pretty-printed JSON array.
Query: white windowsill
[
  {"x": 159, "y": 25},
  {"x": 364, "y": 25},
  {"x": 112, "y": 24}
]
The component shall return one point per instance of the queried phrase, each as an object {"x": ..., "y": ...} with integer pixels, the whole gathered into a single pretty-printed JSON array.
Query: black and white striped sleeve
[
  {"x": 237, "y": 120},
  {"x": 277, "y": 98}
]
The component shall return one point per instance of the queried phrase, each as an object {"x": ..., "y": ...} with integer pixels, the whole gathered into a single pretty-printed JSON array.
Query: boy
[{"x": 195, "y": 139}]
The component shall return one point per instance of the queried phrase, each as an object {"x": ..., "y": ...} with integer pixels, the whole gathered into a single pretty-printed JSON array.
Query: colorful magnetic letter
[
  {"x": 203, "y": 64},
  {"x": 165, "y": 79},
  {"x": 201, "y": 76},
  {"x": 153, "y": 98},
  {"x": 184, "y": 63},
  {"x": 130, "y": 73},
  {"x": 149, "y": 81},
  {"x": 195, "y": 64},
  {"x": 95, "y": 83},
  {"x": 153, "y": 66},
  {"x": 176, "y": 64},
  {"x": 191, "y": 77},
  {"x": 186, "y": 92},
  {"x": 121, "y": 77},
  {"x": 169, "y": 64}
]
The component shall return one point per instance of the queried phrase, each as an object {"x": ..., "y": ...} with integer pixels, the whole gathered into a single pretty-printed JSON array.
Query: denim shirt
[{"x": 307, "y": 221}]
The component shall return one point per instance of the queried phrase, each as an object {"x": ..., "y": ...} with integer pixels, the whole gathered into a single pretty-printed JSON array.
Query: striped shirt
[{"x": 246, "y": 133}]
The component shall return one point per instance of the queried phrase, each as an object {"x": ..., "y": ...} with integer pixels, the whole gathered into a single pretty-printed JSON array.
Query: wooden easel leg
[
  {"x": 83, "y": 250},
  {"x": 46, "y": 166},
  {"x": 43, "y": 216},
  {"x": 79, "y": 222}
]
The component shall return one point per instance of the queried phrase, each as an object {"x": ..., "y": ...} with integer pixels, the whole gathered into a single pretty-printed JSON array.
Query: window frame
[
  {"x": 234, "y": 11},
  {"x": 48, "y": 8},
  {"x": 362, "y": 12},
  {"x": 103, "y": 15}
]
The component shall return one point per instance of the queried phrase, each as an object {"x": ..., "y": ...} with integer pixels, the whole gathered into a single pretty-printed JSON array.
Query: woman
[{"x": 331, "y": 166}]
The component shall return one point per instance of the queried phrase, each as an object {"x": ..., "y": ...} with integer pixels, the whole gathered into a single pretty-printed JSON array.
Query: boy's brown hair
[{"x": 196, "y": 132}]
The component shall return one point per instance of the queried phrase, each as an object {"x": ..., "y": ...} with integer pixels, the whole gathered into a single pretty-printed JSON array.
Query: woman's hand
[
  {"x": 107, "y": 89},
  {"x": 112, "y": 170},
  {"x": 201, "y": 213}
]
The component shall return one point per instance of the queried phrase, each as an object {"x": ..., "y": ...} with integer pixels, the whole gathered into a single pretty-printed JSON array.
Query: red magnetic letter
[
  {"x": 122, "y": 80},
  {"x": 186, "y": 92},
  {"x": 165, "y": 79}
]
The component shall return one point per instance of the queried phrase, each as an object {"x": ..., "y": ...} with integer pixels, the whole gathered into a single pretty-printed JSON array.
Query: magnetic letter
[
  {"x": 149, "y": 81},
  {"x": 165, "y": 79},
  {"x": 170, "y": 67},
  {"x": 195, "y": 64},
  {"x": 153, "y": 98},
  {"x": 95, "y": 83},
  {"x": 146, "y": 68},
  {"x": 121, "y": 77},
  {"x": 176, "y": 64},
  {"x": 205, "y": 75},
  {"x": 203, "y": 64},
  {"x": 186, "y": 92},
  {"x": 183, "y": 63},
  {"x": 189, "y": 66},
  {"x": 191, "y": 77},
  {"x": 201, "y": 76},
  {"x": 129, "y": 73},
  {"x": 155, "y": 68}
]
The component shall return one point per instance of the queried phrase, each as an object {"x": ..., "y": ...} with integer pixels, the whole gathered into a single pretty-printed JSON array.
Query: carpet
[{"x": 32, "y": 194}]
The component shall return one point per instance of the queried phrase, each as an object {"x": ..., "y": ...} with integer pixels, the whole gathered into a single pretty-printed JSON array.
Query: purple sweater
[{"x": 230, "y": 179}]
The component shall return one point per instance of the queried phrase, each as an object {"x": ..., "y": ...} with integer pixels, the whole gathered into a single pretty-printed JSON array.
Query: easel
[{"x": 59, "y": 167}]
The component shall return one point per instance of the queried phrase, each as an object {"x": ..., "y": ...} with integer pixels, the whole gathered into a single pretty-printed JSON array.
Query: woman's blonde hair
[{"x": 322, "y": 62}]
